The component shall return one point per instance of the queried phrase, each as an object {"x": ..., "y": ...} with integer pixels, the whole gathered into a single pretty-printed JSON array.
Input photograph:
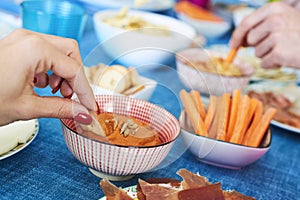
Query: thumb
[{"x": 57, "y": 107}]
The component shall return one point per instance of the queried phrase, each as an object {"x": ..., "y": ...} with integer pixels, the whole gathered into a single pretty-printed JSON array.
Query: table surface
[{"x": 47, "y": 170}]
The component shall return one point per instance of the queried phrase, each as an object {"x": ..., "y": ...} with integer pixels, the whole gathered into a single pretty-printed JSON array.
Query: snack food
[
  {"x": 287, "y": 103},
  {"x": 193, "y": 186},
  {"x": 134, "y": 22},
  {"x": 240, "y": 119},
  {"x": 124, "y": 130},
  {"x": 116, "y": 78}
]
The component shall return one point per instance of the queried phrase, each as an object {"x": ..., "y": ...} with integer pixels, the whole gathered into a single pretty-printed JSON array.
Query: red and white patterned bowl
[
  {"x": 117, "y": 162},
  {"x": 210, "y": 83}
]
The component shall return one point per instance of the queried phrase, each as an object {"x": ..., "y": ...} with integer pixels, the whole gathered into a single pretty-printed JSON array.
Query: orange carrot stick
[
  {"x": 241, "y": 119},
  {"x": 192, "y": 113},
  {"x": 210, "y": 112},
  {"x": 236, "y": 96},
  {"x": 196, "y": 12},
  {"x": 231, "y": 55},
  {"x": 197, "y": 100},
  {"x": 224, "y": 117},
  {"x": 256, "y": 118},
  {"x": 261, "y": 128}
]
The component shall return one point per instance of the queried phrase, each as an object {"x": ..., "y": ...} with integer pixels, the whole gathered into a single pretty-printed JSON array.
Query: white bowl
[
  {"x": 220, "y": 153},
  {"x": 135, "y": 48},
  {"x": 144, "y": 94},
  {"x": 208, "y": 29},
  {"x": 210, "y": 83},
  {"x": 117, "y": 162}
]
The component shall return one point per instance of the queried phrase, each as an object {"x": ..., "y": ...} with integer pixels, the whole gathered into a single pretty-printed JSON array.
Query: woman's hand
[
  {"x": 272, "y": 30},
  {"x": 25, "y": 59}
]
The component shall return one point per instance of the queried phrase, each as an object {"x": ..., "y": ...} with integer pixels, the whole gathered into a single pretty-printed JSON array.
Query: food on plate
[
  {"x": 129, "y": 22},
  {"x": 124, "y": 130},
  {"x": 193, "y": 186},
  {"x": 216, "y": 65},
  {"x": 286, "y": 101},
  {"x": 14, "y": 134},
  {"x": 196, "y": 12},
  {"x": 116, "y": 78},
  {"x": 238, "y": 119}
]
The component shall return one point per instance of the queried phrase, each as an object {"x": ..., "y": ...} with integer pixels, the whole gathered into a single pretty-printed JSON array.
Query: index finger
[{"x": 239, "y": 35}]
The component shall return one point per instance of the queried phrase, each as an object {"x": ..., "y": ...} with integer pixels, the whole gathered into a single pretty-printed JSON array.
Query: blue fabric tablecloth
[{"x": 47, "y": 170}]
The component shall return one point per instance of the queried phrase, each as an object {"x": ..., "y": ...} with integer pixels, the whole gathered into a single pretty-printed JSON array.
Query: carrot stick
[
  {"x": 256, "y": 118},
  {"x": 192, "y": 113},
  {"x": 261, "y": 128},
  {"x": 249, "y": 117},
  {"x": 231, "y": 55},
  {"x": 241, "y": 119},
  {"x": 197, "y": 100},
  {"x": 210, "y": 112},
  {"x": 233, "y": 113},
  {"x": 196, "y": 12},
  {"x": 224, "y": 117}
]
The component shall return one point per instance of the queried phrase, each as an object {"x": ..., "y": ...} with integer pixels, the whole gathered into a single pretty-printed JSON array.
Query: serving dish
[
  {"x": 17, "y": 136},
  {"x": 220, "y": 153},
  {"x": 117, "y": 162},
  {"x": 138, "y": 47},
  {"x": 207, "y": 82}
]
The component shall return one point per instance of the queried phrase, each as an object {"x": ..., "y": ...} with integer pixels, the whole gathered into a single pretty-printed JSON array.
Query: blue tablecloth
[{"x": 47, "y": 170}]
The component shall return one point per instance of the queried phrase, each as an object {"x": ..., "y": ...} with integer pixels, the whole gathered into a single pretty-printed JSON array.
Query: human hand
[
  {"x": 266, "y": 24},
  {"x": 293, "y": 3},
  {"x": 25, "y": 59}
]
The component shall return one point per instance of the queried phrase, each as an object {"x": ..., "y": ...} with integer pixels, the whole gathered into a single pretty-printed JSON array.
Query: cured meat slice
[
  {"x": 209, "y": 192},
  {"x": 112, "y": 192}
]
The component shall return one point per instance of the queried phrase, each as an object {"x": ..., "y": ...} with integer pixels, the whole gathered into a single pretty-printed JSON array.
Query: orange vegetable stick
[
  {"x": 192, "y": 113},
  {"x": 196, "y": 12},
  {"x": 197, "y": 100},
  {"x": 210, "y": 112},
  {"x": 249, "y": 117},
  {"x": 261, "y": 128},
  {"x": 256, "y": 118},
  {"x": 235, "y": 102},
  {"x": 244, "y": 107},
  {"x": 224, "y": 117},
  {"x": 231, "y": 55}
]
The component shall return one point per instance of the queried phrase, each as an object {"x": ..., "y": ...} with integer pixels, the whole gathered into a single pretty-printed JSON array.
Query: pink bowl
[
  {"x": 209, "y": 83},
  {"x": 117, "y": 162}
]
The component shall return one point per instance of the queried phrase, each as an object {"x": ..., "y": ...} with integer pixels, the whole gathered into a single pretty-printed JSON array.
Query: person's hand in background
[
  {"x": 25, "y": 59},
  {"x": 274, "y": 31}
]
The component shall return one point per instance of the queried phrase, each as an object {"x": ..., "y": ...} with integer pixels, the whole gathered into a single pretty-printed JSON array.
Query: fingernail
[
  {"x": 83, "y": 118},
  {"x": 34, "y": 80},
  {"x": 69, "y": 97},
  {"x": 98, "y": 108},
  {"x": 57, "y": 87}
]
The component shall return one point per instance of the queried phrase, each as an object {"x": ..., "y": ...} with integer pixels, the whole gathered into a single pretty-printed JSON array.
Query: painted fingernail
[
  {"x": 83, "y": 118},
  {"x": 57, "y": 87},
  {"x": 69, "y": 97},
  {"x": 34, "y": 80},
  {"x": 98, "y": 108}
]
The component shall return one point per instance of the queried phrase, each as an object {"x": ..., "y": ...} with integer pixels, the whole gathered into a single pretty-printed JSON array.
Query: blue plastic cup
[{"x": 60, "y": 18}]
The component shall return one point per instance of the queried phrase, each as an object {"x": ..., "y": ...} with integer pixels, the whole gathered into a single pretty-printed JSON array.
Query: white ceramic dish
[
  {"x": 207, "y": 28},
  {"x": 22, "y": 134},
  {"x": 209, "y": 83},
  {"x": 220, "y": 153},
  {"x": 136, "y": 48},
  {"x": 144, "y": 94},
  {"x": 153, "y": 5}
]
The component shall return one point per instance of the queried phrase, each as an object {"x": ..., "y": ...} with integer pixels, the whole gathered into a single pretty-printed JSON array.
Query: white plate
[
  {"x": 285, "y": 126},
  {"x": 29, "y": 127},
  {"x": 151, "y": 5},
  {"x": 131, "y": 191}
]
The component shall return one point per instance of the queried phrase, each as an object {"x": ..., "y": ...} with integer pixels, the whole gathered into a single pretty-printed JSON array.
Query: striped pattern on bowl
[{"x": 122, "y": 160}]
